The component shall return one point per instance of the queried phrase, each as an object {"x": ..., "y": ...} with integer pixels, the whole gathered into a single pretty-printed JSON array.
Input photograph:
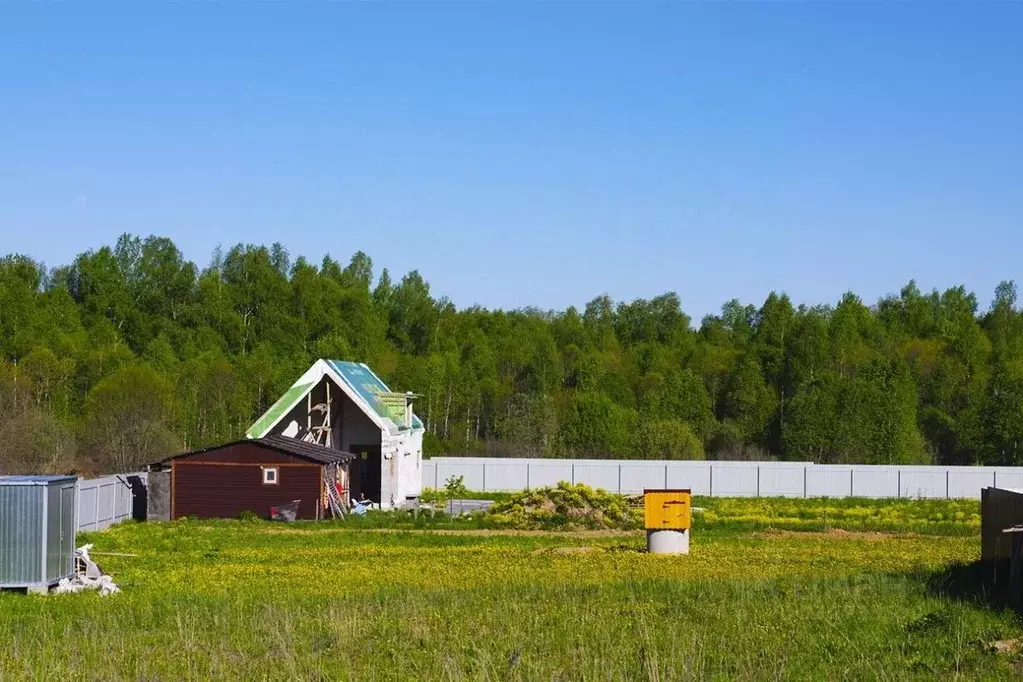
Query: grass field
[{"x": 254, "y": 600}]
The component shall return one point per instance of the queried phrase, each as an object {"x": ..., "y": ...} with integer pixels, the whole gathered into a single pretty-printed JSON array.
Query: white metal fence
[
  {"x": 105, "y": 501},
  {"x": 724, "y": 479}
]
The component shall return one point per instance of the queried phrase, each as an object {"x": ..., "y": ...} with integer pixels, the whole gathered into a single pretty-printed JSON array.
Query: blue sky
[{"x": 531, "y": 153}]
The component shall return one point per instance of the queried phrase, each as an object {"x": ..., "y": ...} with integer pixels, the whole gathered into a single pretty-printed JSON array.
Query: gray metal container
[{"x": 37, "y": 530}]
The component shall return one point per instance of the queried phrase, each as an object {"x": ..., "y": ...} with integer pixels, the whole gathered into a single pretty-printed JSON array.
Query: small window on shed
[{"x": 270, "y": 476}]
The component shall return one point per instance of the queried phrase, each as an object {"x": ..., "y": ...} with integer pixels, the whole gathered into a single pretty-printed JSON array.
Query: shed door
[{"x": 67, "y": 527}]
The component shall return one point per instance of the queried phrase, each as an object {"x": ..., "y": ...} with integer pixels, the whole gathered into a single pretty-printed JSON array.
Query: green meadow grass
[{"x": 249, "y": 600}]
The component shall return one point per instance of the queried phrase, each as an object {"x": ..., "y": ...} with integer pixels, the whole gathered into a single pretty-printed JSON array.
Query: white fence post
[{"x": 711, "y": 491}]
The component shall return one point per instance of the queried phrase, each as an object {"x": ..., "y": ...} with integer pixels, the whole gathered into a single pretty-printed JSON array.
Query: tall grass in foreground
[
  {"x": 874, "y": 627},
  {"x": 250, "y": 600}
]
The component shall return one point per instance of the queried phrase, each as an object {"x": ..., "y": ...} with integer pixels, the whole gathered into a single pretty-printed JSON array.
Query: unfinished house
[{"x": 345, "y": 406}]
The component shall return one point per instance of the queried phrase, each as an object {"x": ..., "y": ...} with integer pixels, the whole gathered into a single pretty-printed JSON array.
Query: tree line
[{"x": 131, "y": 352}]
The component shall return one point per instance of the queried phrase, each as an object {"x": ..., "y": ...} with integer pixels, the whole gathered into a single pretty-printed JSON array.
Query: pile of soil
[{"x": 565, "y": 506}]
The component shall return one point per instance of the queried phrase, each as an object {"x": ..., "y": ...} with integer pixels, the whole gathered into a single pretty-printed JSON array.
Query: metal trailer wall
[
  {"x": 37, "y": 530},
  {"x": 724, "y": 479},
  {"x": 999, "y": 509},
  {"x": 102, "y": 502},
  {"x": 20, "y": 541}
]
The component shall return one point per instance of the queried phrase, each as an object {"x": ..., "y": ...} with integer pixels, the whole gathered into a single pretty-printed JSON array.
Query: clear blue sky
[{"x": 530, "y": 153}]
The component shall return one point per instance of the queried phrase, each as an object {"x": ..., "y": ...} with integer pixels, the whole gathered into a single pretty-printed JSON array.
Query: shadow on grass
[{"x": 983, "y": 583}]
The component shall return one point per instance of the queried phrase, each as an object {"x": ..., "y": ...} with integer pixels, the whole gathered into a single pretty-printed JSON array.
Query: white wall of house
[{"x": 401, "y": 475}]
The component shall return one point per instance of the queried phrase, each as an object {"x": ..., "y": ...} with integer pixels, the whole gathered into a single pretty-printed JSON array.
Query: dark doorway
[
  {"x": 139, "y": 497},
  {"x": 365, "y": 472}
]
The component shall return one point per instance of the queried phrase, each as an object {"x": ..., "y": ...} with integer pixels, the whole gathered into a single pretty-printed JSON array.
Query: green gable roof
[
  {"x": 368, "y": 385},
  {"x": 278, "y": 409}
]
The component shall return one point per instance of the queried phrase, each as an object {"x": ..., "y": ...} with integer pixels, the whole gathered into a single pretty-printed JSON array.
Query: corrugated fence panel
[
  {"x": 878, "y": 481},
  {"x": 102, "y": 502},
  {"x": 1008, "y": 478},
  {"x": 430, "y": 474},
  {"x": 731, "y": 480},
  {"x": 87, "y": 506},
  {"x": 471, "y": 471},
  {"x": 695, "y": 476},
  {"x": 782, "y": 481},
  {"x": 828, "y": 481},
  {"x": 543, "y": 474},
  {"x": 508, "y": 477},
  {"x": 968, "y": 481},
  {"x": 637, "y": 477},
  {"x": 597, "y": 475},
  {"x": 738, "y": 479},
  {"x": 923, "y": 482}
]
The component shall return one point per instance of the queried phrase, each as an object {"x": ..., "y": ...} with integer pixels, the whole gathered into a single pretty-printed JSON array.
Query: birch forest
[{"x": 131, "y": 352}]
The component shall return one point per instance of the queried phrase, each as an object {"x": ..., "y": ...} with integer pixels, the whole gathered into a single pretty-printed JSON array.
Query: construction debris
[
  {"x": 88, "y": 576},
  {"x": 337, "y": 493},
  {"x": 566, "y": 505},
  {"x": 285, "y": 512},
  {"x": 1006, "y": 646}
]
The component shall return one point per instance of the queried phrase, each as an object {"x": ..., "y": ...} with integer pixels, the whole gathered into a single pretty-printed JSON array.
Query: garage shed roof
[{"x": 289, "y": 446}]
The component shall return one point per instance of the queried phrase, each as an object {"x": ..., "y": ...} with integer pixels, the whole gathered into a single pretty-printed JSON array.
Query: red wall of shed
[{"x": 225, "y": 490}]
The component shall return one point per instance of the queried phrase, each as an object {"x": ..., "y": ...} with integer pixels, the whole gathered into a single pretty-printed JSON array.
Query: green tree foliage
[
  {"x": 129, "y": 418},
  {"x": 668, "y": 439},
  {"x": 594, "y": 425},
  {"x": 131, "y": 351},
  {"x": 682, "y": 396}
]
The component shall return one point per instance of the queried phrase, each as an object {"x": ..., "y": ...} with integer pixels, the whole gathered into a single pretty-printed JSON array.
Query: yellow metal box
[{"x": 668, "y": 509}]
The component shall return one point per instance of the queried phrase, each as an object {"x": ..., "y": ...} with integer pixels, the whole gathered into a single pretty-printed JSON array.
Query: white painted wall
[{"x": 401, "y": 465}]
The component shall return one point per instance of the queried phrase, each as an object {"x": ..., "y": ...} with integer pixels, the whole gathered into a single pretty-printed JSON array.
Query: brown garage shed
[{"x": 254, "y": 475}]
